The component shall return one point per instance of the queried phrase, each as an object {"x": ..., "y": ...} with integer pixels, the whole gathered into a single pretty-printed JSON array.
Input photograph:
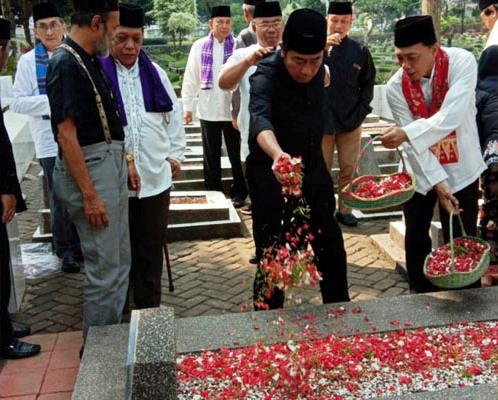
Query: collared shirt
[
  {"x": 458, "y": 112},
  {"x": 493, "y": 37},
  {"x": 71, "y": 95},
  {"x": 28, "y": 100},
  {"x": 243, "y": 116},
  {"x": 151, "y": 137},
  {"x": 213, "y": 104},
  {"x": 245, "y": 38}
]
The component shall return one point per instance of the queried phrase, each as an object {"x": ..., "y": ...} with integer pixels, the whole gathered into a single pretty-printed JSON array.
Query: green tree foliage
[
  {"x": 164, "y": 8},
  {"x": 385, "y": 12},
  {"x": 181, "y": 24}
]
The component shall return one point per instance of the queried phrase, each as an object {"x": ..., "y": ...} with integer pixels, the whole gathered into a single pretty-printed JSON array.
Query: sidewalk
[{"x": 210, "y": 277}]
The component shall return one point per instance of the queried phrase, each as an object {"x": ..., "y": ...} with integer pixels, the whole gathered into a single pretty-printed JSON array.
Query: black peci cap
[
  {"x": 220, "y": 11},
  {"x": 412, "y": 30},
  {"x": 131, "y": 15},
  {"x": 269, "y": 9},
  {"x": 45, "y": 10},
  {"x": 340, "y": 8},
  {"x": 305, "y": 32},
  {"x": 95, "y": 6}
]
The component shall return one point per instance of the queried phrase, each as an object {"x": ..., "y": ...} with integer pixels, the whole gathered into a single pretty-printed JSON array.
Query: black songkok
[
  {"x": 305, "y": 32},
  {"x": 220, "y": 11},
  {"x": 412, "y": 30},
  {"x": 4, "y": 29},
  {"x": 131, "y": 16},
  {"x": 253, "y": 2},
  {"x": 340, "y": 8},
  {"x": 95, "y": 6},
  {"x": 270, "y": 9},
  {"x": 483, "y": 4},
  {"x": 45, "y": 10}
]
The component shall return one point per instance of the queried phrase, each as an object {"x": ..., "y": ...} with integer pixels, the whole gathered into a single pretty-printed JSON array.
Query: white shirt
[
  {"x": 151, "y": 137},
  {"x": 458, "y": 112},
  {"x": 493, "y": 37},
  {"x": 214, "y": 104},
  {"x": 245, "y": 95},
  {"x": 28, "y": 100}
]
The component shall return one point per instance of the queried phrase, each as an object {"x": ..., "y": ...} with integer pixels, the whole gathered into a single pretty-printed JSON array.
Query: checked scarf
[
  {"x": 207, "y": 59},
  {"x": 41, "y": 61},
  {"x": 446, "y": 151}
]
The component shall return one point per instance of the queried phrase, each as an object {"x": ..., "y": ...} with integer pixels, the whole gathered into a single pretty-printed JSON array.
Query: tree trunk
[
  {"x": 26, "y": 13},
  {"x": 433, "y": 7}
]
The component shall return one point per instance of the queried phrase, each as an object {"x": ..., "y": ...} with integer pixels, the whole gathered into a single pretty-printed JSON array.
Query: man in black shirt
[
  {"x": 10, "y": 202},
  {"x": 352, "y": 79},
  {"x": 287, "y": 118},
  {"x": 91, "y": 172}
]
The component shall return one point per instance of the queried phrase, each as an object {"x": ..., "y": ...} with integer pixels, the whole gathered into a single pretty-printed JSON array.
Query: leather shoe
[
  {"x": 17, "y": 349},
  {"x": 238, "y": 203},
  {"x": 347, "y": 219},
  {"x": 69, "y": 265},
  {"x": 21, "y": 332}
]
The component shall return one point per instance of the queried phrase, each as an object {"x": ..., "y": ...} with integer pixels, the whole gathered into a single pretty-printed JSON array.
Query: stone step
[
  {"x": 44, "y": 220},
  {"x": 231, "y": 227},
  {"x": 215, "y": 208},
  {"x": 198, "y": 184},
  {"x": 195, "y": 170},
  {"x": 39, "y": 237},
  {"x": 195, "y": 127}
]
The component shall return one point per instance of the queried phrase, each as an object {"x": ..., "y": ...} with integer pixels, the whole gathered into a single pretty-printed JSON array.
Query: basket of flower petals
[
  {"x": 377, "y": 192},
  {"x": 458, "y": 263}
]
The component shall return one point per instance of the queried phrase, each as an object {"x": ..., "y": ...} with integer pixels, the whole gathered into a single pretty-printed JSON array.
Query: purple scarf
[
  {"x": 207, "y": 59},
  {"x": 156, "y": 99}
]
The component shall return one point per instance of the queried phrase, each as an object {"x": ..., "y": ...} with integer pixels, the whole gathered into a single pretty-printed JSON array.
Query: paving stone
[
  {"x": 384, "y": 284},
  {"x": 210, "y": 276}
]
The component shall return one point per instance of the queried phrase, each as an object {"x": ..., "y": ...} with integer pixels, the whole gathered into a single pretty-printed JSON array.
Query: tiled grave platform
[{"x": 48, "y": 376}]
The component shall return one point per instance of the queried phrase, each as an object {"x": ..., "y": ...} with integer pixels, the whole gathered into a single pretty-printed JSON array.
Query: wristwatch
[{"x": 129, "y": 157}]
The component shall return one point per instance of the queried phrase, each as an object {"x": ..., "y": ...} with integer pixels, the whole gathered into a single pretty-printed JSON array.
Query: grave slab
[{"x": 243, "y": 329}]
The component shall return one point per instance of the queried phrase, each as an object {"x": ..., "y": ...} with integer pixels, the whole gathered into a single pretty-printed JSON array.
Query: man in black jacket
[
  {"x": 286, "y": 109},
  {"x": 10, "y": 202},
  {"x": 352, "y": 79}
]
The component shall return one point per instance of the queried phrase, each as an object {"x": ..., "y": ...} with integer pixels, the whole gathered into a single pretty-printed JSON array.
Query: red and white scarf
[{"x": 446, "y": 150}]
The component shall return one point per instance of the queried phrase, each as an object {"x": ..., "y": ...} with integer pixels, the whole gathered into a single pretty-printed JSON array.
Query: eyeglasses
[
  {"x": 270, "y": 25},
  {"x": 54, "y": 27}
]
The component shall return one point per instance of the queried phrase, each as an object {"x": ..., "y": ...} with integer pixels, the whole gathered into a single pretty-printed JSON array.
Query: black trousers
[
  {"x": 418, "y": 212},
  {"x": 5, "y": 323},
  {"x": 328, "y": 245},
  {"x": 148, "y": 225},
  {"x": 211, "y": 145}
]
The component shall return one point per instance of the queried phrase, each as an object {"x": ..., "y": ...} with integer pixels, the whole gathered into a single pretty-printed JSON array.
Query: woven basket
[
  {"x": 455, "y": 279},
  {"x": 388, "y": 200}
]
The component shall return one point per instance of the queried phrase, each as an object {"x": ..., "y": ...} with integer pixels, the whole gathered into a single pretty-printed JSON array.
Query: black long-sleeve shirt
[
  {"x": 293, "y": 111},
  {"x": 352, "y": 80}
]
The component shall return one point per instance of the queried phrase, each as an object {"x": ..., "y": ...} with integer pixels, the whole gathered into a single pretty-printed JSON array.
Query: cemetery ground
[{"x": 210, "y": 277}]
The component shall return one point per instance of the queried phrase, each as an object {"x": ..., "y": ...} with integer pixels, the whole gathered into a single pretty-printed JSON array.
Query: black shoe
[
  {"x": 21, "y": 332},
  {"x": 253, "y": 259},
  {"x": 346, "y": 219},
  {"x": 69, "y": 265},
  {"x": 237, "y": 203},
  {"x": 18, "y": 349},
  {"x": 246, "y": 210}
]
